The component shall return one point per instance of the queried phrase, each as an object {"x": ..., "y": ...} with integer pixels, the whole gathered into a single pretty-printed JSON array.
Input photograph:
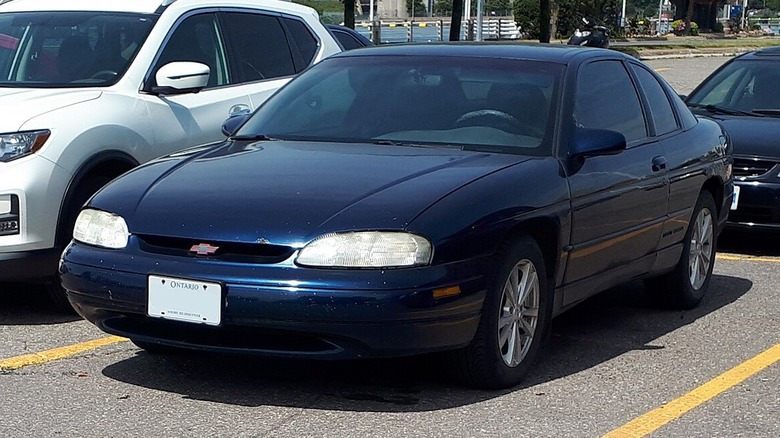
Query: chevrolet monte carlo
[{"x": 402, "y": 200}]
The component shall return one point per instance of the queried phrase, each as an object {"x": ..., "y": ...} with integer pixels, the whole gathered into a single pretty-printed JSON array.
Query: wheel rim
[
  {"x": 700, "y": 256},
  {"x": 519, "y": 313}
]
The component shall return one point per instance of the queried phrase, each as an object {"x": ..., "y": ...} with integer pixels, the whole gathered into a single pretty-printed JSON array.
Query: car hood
[
  {"x": 23, "y": 104},
  {"x": 753, "y": 135},
  {"x": 287, "y": 193}
]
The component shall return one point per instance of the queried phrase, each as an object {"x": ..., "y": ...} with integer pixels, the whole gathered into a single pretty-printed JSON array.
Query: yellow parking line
[
  {"x": 660, "y": 69},
  {"x": 657, "y": 418},
  {"x": 741, "y": 258},
  {"x": 56, "y": 353}
]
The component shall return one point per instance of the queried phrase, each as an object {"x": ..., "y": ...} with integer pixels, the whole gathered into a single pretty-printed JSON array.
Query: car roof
[
  {"x": 138, "y": 6},
  {"x": 560, "y": 53},
  {"x": 765, "y": 52}
]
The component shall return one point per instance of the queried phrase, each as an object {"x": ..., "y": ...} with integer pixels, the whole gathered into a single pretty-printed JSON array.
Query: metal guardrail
[{"x": 397, "y": 31}]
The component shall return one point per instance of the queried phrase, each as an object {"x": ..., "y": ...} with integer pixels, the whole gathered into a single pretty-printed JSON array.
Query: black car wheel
[
  {"x": 686, "y": 285},
  {"x": 515, "y": 316}
]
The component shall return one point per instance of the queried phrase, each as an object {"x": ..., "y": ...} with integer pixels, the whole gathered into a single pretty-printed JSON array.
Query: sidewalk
[{"x": 691, "y": 46}]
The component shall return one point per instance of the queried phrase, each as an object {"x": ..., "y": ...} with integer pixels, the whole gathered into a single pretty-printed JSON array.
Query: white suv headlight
[
  {"x": 99, "y": 228},
  {"x": 366, "y": 249},
  {"x": 19, "y": 144}
]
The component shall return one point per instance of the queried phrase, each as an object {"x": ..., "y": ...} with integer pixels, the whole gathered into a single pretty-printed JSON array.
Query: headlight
[
  {"x": 19, "y": 144},
  {"x": 99, "y": 228},
  {"x": 367, "y": 249}
]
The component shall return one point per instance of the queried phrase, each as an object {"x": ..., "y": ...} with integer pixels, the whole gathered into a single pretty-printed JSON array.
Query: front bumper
[
  {"x": 283, "y": 310},
  {"x": 758, "y": 207},
  {"x": 37, "y": 187}
]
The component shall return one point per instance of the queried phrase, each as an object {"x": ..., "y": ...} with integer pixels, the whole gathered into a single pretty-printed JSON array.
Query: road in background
[{"x": 610, "y": 360}]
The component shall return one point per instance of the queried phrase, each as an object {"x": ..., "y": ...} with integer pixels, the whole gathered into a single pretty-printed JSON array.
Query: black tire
[
  {"x": 687, "y": 284},
  {"x": 57, "y": 295},
  {"x": 492, "y": 359}
]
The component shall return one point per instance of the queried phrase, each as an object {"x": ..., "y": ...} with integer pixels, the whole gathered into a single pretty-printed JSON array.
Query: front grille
[
  {"x": 752, "y": 167},
  {"x": 755, "y": 215},
  {"x": 258, "y": 253}
]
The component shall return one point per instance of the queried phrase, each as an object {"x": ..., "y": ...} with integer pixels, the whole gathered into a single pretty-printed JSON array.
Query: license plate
[
  {"x": 735, "y": 199},
  {"x": 184, "y": 300}
]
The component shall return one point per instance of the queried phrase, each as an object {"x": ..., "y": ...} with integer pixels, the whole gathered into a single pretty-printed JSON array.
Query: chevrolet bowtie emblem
[{"x": 204, "y": 249}]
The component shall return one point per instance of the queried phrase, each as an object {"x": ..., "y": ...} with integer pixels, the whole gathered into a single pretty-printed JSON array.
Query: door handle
[{"x": 659, "y": 163}]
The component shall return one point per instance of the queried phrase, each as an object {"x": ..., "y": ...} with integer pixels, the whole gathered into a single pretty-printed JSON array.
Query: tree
[
  {"x": 349, "y": 13},
  {"x": 526, "y": 14},
  {"x": 419, "y": 8},
  {"x": 457, "y": 17}
]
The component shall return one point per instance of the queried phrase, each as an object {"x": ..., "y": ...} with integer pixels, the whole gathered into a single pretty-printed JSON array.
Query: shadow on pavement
[
  {"x": 755, "y": 243},
  {"x": 597, "y": 330},
  {"x": 28, "y": 304}
]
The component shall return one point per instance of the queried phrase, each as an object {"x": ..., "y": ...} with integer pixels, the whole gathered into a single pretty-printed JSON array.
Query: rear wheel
[
  {"x": 515, "y": 315},
  {"x": 686, "y": 285}
]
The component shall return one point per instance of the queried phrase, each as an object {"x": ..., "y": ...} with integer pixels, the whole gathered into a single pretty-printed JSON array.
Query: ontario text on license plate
[{"x": 184, "y": 300}]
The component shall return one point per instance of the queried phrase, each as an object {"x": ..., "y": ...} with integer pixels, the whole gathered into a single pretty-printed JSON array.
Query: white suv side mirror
[{"x": 181, "y": 77}]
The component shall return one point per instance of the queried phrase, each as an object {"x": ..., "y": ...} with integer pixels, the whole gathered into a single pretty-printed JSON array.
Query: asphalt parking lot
[{"x": 617, "y": 365}]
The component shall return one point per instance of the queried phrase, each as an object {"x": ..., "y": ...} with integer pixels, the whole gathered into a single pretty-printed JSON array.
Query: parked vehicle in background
[
  {"x": 591, "y": 35},
  {"x": 481, "y": 198},
  {"x": 743, "y": 95},
  {"x": 349, "y": 38},
  {"x": 91, "y": 88}
]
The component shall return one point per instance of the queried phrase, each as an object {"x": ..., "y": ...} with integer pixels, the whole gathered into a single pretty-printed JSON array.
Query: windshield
[
  {"x": 476, "y": 103},
  {"x": 741, "y": 88},
  {"x": 68, "y": 49}
]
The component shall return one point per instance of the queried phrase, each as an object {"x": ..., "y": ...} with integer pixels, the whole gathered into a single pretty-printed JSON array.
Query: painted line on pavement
[
  {"x": 746, "y": 258},
  {"x": 42, "y": 357},
  {"x": 657, "y": 418}
]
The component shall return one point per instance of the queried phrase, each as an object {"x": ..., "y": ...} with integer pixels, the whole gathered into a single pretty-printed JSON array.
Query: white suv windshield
[{"x": 68, "y": 49}]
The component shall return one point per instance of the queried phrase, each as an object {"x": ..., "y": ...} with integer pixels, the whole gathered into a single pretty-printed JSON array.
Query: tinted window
[
  {"x": 498, "y": 104},
  {"x": 197, "y": 39},
  {"x": 742, "y": 85},
  {"x": 660, "y": 108},
  {"x": 304, "y": 41},
  {"x": 606, "y": 99},
  {"x": 68, "y": 49},
  {"x": 259, "y": 47},
  {"x": 347, "y": 41}
]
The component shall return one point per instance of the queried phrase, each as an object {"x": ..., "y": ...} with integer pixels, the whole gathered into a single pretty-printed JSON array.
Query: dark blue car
[
  {"x": 409, "y": 199},
  {"x": 743, "y": 95}
]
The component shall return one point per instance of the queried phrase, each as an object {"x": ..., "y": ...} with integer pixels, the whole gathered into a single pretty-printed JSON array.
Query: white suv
[{"x": 92, "y": 88}]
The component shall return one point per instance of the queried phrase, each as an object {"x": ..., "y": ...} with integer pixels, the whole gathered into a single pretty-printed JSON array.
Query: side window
[
  {"x": 197, "y": 39},
  {"x": 304, "y": 40},
  {"x": 347, "y": 41},
  {"x": 259, "y": 47},
  {"x": 660, "y": 107},
  {"x": 607, "y": 99}
]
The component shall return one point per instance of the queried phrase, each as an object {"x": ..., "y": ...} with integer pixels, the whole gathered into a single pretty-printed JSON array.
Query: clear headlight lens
[
  {"x": 99, "y": 228},
  {"x": 366, "y": 249},
  {"x": 19, "y": 144}
]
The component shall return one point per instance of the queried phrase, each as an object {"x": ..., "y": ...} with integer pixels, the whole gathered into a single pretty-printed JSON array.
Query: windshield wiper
[
  {"x": 767, "y": 111},
  {"x": 717, "y": 109},
  {"x": 253, "y": 137}
]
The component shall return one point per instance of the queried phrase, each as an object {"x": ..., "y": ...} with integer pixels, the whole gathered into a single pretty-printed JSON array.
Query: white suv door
[{"x": 241, "y": 76}]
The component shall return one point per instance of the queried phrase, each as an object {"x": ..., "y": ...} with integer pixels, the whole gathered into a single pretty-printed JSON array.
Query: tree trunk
[
  {"x": 349, "y": 13},
  {"x": 554, "y": 9},
  {"x": 688, "y": 16},
  {"x": 457, "y": 17},
  {"x": 544, "y": 21}
]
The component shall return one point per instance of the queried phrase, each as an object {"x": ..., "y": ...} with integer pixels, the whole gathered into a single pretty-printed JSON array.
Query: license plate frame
[{"x": 184, "y": 299}]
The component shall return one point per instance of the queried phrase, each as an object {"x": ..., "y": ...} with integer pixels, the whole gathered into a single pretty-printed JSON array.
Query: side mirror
[
  {"x": 232, "y": 124},
  {"x": 181, "y": 77},
  {"x": 595, "y": 142}
]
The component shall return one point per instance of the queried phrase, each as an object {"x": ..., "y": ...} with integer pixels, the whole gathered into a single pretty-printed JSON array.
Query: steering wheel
[
  {"x": 106, "y": 75},
  {"x": 499, "y": 120}
]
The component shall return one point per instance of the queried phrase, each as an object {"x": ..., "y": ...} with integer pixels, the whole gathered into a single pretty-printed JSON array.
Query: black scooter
[{"x": 591, "y": 35}]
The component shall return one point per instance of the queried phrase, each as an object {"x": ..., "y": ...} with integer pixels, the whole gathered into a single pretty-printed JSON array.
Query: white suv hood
[{"x": 20, "y": 105}]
